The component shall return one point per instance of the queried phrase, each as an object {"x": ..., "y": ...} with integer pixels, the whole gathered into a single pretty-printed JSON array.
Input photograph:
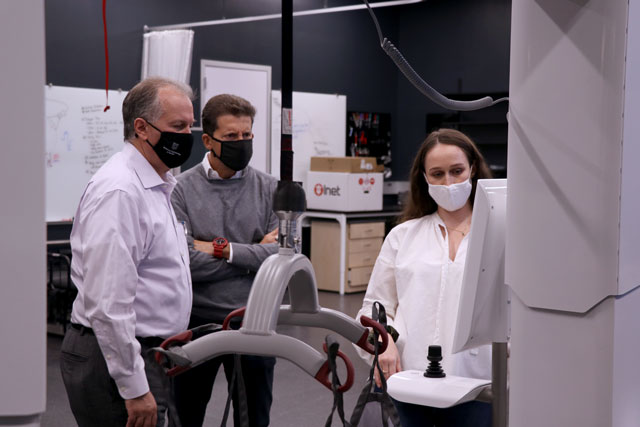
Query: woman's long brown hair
[{"x": 419, "y": 202}]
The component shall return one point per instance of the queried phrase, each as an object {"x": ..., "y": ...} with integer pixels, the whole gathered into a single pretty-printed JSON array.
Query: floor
[{"x": 299, "y": 400}]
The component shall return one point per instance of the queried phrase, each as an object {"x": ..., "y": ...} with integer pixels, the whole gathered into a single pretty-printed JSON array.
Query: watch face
[{"x": 219, "y": 241}]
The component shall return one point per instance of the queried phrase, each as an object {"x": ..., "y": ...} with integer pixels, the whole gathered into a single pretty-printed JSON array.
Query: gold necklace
[{"x": 464, "y": 233}]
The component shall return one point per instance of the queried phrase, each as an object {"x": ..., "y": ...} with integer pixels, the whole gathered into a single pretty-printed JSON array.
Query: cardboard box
[
  {"x": 344, "y": 164},
  {"x": 344, "y": 192}
]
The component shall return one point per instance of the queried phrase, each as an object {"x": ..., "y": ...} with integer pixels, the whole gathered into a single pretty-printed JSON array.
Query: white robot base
[{"x": 413, "y": 387}]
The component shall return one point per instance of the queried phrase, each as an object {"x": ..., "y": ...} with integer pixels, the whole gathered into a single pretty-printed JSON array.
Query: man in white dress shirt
[{"x": 131, "y": 266}]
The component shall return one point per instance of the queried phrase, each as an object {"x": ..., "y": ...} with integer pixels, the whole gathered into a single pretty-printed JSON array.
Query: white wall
[{"x": 22, "y": 225}]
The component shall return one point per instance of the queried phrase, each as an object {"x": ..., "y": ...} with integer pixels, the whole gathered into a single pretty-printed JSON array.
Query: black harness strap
[
  {"x": 338, "y": 402},
  {"x": 236, "y": 385},
  {"x": 368, "y": 393}
]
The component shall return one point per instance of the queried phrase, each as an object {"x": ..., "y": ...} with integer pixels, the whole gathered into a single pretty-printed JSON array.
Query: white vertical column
[
  {"x": 571, "y": 259},
  {"x": 22, "y": 224}
]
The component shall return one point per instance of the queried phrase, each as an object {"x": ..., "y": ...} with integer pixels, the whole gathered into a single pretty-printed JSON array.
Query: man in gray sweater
[{"x": 226, "y": 207}]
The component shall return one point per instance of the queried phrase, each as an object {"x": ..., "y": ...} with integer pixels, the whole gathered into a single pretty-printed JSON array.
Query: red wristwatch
[{"x": 219, "y": 243}]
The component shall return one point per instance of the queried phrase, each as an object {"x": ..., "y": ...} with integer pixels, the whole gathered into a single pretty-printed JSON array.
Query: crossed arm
[{"x": 207, "y": 247}]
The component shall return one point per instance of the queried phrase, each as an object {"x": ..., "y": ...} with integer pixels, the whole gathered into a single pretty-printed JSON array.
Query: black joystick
[{"x": 434, "y": 370}]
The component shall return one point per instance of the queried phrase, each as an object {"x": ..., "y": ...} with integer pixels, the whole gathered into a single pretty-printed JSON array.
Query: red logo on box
[
  {"x": 366, "y": 184},
  {"x": 320, "y": 190}
]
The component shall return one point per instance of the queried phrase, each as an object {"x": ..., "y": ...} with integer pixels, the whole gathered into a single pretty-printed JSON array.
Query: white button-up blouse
[{"x": 419, "y": 286}]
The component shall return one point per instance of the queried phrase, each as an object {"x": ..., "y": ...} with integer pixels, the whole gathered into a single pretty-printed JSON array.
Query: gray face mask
[{"x": 234, "y": 154}]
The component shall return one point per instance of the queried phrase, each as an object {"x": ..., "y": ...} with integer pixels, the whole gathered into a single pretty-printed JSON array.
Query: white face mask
[{"x": 450, "y": 197}]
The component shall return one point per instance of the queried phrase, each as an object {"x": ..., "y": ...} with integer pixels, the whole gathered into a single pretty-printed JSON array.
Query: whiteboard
[
  {"x": 80, "y": 137},
  {"x": 251, "y": 82},
  {"x": 319, "y": 129}
]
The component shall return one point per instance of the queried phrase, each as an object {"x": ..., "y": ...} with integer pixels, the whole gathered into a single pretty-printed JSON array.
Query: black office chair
[{"x": 60, "y": 289}]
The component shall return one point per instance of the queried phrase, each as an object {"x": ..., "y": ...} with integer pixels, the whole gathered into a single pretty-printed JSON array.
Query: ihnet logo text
[{"x": 325, "y": 190}]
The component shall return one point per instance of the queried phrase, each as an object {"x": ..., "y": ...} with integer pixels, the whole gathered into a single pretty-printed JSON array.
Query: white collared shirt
[
  {"x": 419, "y": 286},
  {"x": 130, "y": 264}
]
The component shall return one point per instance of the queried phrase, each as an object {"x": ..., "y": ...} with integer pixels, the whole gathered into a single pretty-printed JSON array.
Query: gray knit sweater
[{"x": 239, "y": 210}]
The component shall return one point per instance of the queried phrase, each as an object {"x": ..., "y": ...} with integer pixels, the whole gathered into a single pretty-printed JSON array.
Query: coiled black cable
[{"x": 424, "y": 88}]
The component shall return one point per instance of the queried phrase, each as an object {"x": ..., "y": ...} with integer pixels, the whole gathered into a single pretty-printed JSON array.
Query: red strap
[
  {"x": 181, "y": 338},
  {"x": 364, "y": 343},
  {"x": 106, "y": 51},
  {"x": 325, "y": 370},
  {"x": 238, "y": 312}
]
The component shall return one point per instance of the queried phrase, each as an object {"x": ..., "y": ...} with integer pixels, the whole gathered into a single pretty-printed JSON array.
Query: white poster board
[
  {"x": 80, "y": 137},
  {"x": 251, "y": 82},
  {"x": 319, "y": 129}
]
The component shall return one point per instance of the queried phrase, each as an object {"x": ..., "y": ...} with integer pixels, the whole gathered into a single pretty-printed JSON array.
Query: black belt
[
  {"x": 146, "y": 341},
  {"x": 82, "y": 329}
]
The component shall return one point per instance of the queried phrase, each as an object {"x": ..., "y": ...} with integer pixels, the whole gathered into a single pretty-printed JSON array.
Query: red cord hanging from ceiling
[{"x": 106, "y": 51}]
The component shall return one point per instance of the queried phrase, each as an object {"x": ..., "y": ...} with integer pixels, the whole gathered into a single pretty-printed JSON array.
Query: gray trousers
[{"x": 93, "y": 394}]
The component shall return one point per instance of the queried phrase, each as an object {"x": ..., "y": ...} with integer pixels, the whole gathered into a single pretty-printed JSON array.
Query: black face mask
[
  {"x": 172, "y": 148},
  {"x": 234, "y": 154}
]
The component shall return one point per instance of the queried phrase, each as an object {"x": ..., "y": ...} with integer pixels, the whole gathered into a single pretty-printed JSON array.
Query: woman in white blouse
[{"x": 418, "y": 274}]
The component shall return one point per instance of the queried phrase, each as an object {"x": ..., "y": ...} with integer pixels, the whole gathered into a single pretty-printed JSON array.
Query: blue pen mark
[{"x": 66, "y": 138}]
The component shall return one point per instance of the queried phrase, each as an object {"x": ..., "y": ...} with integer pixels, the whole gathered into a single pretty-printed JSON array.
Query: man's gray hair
[{"x": 142, "y": 101}]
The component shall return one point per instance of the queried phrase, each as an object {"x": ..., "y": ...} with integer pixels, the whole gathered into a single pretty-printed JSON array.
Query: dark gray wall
[
  {"x": 459, "y": 46},
  {"x": 444, "y": 40}
]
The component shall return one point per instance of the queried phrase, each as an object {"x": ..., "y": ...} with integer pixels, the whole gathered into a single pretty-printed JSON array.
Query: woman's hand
[{"x": 389, "y": 362}]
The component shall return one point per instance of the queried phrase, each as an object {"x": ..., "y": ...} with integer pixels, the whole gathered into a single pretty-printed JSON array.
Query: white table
[{"x": 342, "y": 218}]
